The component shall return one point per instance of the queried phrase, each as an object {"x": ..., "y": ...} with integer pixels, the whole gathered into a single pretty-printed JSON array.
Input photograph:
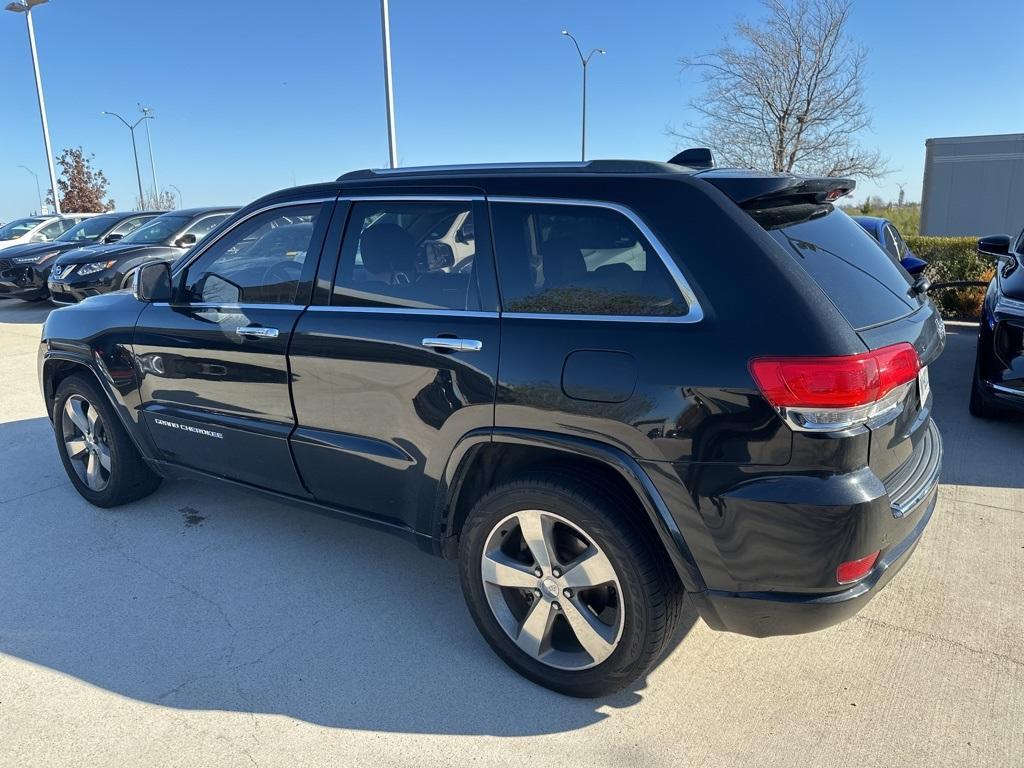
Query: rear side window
[
  {"x": 864, "y": 283},
  {"x": 579, "y": 260}
]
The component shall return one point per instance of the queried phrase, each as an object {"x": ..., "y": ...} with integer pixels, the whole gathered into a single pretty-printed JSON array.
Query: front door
[
  {"x": 399, "y": 361},
  {"x": 213, "y": 360}
]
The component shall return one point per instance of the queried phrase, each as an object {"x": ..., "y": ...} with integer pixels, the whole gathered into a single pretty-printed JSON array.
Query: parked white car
[{"x": 38, "y": 229}]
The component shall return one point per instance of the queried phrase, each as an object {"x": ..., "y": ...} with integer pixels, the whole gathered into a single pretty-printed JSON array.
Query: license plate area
[{"x": 924, "y": 387}]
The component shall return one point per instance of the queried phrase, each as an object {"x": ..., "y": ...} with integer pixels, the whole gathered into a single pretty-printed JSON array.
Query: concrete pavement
[{"x": 206, "y": 626}]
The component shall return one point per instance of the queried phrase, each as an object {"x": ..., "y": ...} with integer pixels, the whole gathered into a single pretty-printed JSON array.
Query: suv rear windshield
[{"x": 860, "y": 278}]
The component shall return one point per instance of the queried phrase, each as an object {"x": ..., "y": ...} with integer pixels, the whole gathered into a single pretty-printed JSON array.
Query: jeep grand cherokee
[{"x": 636, "y": 383}]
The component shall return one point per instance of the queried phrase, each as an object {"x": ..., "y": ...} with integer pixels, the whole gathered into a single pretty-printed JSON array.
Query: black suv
[{"x": 603, "y": 387}]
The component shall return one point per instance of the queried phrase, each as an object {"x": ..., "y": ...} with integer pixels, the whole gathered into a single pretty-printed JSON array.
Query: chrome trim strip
[
  {"x": 199, "y": 251},
  {"x": 413, "y": 198},
  {"x": 409, "y": 311},
  {"x": 695, "y": 312},
  {"x": 229, "y": 307},
  {"x": 1005, "y": 390}
]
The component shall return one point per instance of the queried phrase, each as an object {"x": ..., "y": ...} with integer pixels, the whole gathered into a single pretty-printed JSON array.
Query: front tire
[
  {"x": 99, "y": 457},
  {"x": 566, "y": 585}
]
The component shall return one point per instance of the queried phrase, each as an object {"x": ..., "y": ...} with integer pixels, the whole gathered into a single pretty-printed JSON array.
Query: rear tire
[
  {"x": 98, "y": 455},
  {"x": 581, "y": 630}
]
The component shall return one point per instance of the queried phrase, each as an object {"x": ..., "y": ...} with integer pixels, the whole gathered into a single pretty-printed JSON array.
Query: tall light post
[
  {"x": 131, "y": 129},
  {"x": 180, "y": 204},
  {"x": 147, "y": 112},
  {"x": 385, "y": 31},
  {"x": 39, "y": 193},
  {"x": 26, "y": 8},
  {"x": 584, "y": 60}
]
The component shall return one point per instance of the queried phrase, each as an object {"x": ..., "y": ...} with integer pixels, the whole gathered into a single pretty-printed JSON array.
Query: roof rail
[{"x": 569, "y": 166}]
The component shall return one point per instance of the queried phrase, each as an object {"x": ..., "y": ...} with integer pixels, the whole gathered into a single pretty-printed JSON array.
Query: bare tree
[
  {"x": 165, "y": 201},
  {"x": 787, "y": 94}
]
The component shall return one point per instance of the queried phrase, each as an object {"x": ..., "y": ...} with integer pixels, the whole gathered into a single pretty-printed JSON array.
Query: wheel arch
[
  {"x": 484, "y": 458},
  {"x": 58, "y": 366}
]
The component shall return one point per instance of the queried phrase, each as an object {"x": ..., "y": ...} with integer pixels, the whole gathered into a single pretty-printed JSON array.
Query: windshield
[
  {"x": 19, "y": 227},
  {"x": 88, "y": 230},
  {"x": 159, "y": 230}
]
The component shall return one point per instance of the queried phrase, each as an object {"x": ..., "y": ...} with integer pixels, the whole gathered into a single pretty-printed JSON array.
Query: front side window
[
  {"x": 130, "y": 225},
  {"x": 258, "y": 262},
  {"x": 157, "y": 231},
  {"x": 55, "y": 229},
  {"x": 12, "y": 230},
  {"x": 408, "y": 254},
  {"x": 88, "y": 230},
  {"x": 205, "y": 226},
  {"x": 579, "y": 260}
]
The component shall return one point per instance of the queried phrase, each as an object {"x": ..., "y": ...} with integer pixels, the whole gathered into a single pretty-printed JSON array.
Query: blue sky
[{"x": 250, "y": 96}]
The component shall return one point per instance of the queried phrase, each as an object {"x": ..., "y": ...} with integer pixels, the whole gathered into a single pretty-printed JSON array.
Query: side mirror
[
  {"x": 913, "y": 265},
  {"x": 39, "y": 238},
  {"x": 997, "y": 246},
  {"x": 185, "y": 241},
  {"x": 113, "y": 237},
  {"x": 153, "y": 282}
]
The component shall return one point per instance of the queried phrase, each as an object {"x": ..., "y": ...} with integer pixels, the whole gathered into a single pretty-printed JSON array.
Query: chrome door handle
[
  {"x": 454, "y": 345},
  {"x": 258, "y": 332}
]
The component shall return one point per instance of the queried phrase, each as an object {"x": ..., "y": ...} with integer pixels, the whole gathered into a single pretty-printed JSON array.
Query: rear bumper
[{"x": 762, "y": 614}]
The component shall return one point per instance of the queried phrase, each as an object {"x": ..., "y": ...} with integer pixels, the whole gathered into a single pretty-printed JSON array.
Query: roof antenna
[{"x": 699, "y": 158}]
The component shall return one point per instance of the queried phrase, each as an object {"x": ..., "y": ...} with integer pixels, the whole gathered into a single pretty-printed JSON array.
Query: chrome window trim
[
  {"x": 409, "y": 311},
  {"x": 694, "y": 314},
  {"x": 236, "y": 224},
  {"x": 411, "y": 198},
  {"x": 229, "y": 307}
]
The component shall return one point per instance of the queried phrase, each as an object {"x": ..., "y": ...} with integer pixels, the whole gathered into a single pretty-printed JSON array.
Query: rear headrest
[
  {"x": 563, "y": 262},
  {"x": 387, "y": 248}
]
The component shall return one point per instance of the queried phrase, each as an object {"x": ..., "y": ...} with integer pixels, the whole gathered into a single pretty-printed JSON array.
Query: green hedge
[{"x": 950, "y": 259}]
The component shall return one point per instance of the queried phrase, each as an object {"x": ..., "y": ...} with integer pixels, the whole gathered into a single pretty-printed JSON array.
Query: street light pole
[
  {"x": 149, "y": 140},
  {"x": 135, "y": 152},
  {"x": 39, "y": 194},
  {"x": 584, "y": 60},
  {"x": 180, "y": 204},
  {"x": 26, "y": 8},
  {"x": 385, "y": 31}
]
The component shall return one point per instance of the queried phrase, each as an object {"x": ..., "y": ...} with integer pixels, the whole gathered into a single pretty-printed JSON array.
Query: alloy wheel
[
  {"x": 86, "y": 442},
  {"x": 552, "y": 589}
]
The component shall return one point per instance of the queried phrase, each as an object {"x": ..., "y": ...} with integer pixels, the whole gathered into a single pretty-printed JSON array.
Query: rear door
[
  {"x": 215, "y": 379},
  {"x": 398, "y": 358}
]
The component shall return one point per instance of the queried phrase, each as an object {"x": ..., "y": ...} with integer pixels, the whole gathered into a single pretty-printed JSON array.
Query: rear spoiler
[{"x": 751, "y": 189}]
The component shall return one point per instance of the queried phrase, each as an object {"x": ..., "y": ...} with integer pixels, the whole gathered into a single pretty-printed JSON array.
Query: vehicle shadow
[
  {"x": 207, "y": 597},
  {"x": 976, "y": 451},
  {"x": 16, "y": 311}
]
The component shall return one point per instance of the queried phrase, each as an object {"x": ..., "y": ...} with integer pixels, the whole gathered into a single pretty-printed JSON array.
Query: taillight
[
  {"x": 839, "y": 392},
  {"x": 854, "y": 570}
]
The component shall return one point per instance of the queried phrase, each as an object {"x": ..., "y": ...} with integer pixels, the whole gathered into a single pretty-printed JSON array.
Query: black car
[
  {"x": 646, "y": 382},
  {"x": 84, "y": 272},
  {"x": 998, "y": 384},
  {"x": 24, "y": 269}
]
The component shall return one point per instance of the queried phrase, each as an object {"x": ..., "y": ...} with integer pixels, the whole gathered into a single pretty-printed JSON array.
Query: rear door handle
[
  {"x": 258, "y": 332},
  {"x": 454, "y": 345}
]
